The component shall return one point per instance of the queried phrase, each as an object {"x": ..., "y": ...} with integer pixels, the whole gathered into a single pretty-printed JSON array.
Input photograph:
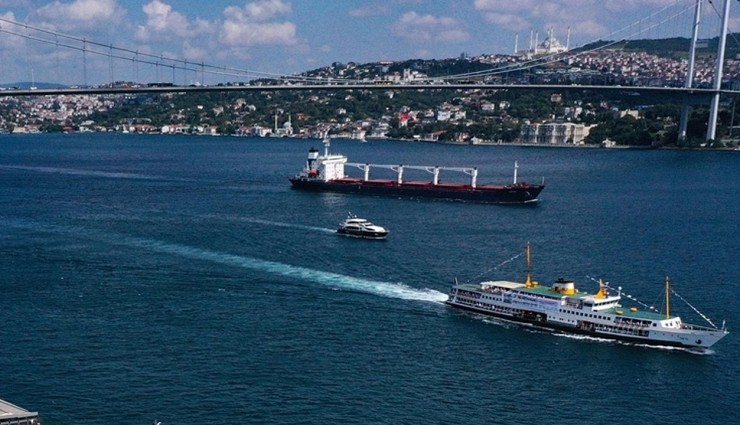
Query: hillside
[
  {"x": 463, "y": 115},
  {"x": 677, "y": 47}
]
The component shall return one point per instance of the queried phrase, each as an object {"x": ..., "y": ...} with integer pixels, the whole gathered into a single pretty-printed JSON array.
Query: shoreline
[
  {"x": 381, "y": 139},
  {"x": 571, "y": 146}
]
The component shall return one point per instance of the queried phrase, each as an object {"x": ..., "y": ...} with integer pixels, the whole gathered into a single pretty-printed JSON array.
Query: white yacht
[{"x": 361, "y": 228}]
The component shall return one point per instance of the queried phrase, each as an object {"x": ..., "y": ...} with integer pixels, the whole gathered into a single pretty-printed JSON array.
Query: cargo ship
[
  {"x": 327, "y": 173},
  {"x": 563, "y": 308}
]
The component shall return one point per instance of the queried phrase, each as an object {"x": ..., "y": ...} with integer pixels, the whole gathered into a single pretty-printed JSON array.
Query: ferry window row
[
  {"x": 592, "y": 316},
  {"x": 632, "y": 322}
]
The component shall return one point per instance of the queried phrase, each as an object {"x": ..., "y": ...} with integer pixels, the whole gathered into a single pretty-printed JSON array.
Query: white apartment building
[{"x": 555, "y": 133}]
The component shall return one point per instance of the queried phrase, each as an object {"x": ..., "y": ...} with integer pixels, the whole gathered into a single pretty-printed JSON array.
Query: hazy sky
[{"x": 287, "y": 36}]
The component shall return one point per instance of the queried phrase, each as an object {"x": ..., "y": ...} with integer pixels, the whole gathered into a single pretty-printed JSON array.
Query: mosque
[{"x": 549, "y": 46}]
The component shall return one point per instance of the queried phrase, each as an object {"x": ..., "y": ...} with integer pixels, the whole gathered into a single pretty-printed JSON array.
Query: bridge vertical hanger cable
[
  {"x": 84, "y": 62},
  {"x": 56, "y": 59},
  {"x": 2, "y": 51},
  {"x": 28, "y": 52},
  {"x": 110, "y": 66},
  {"x": 3, "y": 63},
  {"x": 135, "y": 60}
]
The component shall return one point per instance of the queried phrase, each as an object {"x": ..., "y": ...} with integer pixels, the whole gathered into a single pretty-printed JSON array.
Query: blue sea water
[{"x": 181, "y": 279}]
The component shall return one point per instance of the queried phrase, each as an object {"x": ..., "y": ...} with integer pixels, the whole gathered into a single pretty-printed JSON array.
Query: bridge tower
[
  {"x": 683, "y": 123},
  {"x": 714, "y": 106},
  {"x": 717, "y": 85}
]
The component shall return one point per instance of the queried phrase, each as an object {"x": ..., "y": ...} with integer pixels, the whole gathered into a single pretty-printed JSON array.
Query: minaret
[
  {"x": 536, "y": 41},
  {"x": 531, "y": 40},
  {"x": 516, "y": 43},
  {"x": 567, "y": 41}
]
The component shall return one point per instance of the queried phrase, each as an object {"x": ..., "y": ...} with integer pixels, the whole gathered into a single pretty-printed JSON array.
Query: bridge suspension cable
[
  {"x": 642, "y": 26},
  {"x": 719, "y": 15},
  {"x": 557, "y": 57},
  {"x": 127, "y": 54}
]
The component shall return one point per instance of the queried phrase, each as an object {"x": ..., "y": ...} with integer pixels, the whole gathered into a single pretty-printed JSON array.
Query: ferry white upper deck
[{"x": 589, "y": 305}]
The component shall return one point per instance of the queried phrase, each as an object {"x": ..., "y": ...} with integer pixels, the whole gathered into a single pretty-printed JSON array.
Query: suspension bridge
[{"x": 230, "y": 79}]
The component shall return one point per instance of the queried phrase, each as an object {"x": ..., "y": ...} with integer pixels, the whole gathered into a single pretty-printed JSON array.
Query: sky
[{"x": 290, "y": 36}]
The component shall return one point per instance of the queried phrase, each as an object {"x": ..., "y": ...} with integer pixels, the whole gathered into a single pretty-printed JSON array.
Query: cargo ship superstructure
[
  {"x": 327, "y": 173},
  {"x": 561, "y": 307}
]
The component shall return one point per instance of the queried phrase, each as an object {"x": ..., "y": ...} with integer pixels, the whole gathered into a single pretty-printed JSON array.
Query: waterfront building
[{"x": 554, "y": 133}]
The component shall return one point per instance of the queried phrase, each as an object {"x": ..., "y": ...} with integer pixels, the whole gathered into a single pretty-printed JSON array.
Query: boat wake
[
  {"x": 334, "y": 280},
  {"x": 90, "y": 173},
  {"x": 270, "y": 223}
]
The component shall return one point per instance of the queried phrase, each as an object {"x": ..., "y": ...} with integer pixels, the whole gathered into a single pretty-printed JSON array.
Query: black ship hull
[
  {"x": 363, "y": 234},
  {"x": 520, "y": 193}
]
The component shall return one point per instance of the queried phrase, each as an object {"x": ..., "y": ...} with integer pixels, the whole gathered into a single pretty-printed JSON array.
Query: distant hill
[{"x": 673, "y": 47}]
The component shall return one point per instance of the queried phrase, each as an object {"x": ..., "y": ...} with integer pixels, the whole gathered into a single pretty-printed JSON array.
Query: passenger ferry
[{"x": 561, "y": 307}]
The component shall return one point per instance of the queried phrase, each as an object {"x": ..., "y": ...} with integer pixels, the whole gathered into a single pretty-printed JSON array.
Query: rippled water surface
[{"x": 181, "y": 279}]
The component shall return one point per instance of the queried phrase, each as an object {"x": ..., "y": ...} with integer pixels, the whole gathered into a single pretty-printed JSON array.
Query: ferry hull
[
  {"x": 521, "y": 193},
  {"x": 699, "y": 341}
]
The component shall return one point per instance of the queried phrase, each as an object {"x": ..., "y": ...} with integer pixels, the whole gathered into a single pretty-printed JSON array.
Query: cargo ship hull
[
  {"x": 326, "y": 173},
  {"x": 520, "y": 193}
]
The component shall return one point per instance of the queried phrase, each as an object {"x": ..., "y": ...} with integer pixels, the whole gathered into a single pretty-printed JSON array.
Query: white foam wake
[
  {"x": 386, "y": 289},
  {"x": 271, "y": 223}
]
